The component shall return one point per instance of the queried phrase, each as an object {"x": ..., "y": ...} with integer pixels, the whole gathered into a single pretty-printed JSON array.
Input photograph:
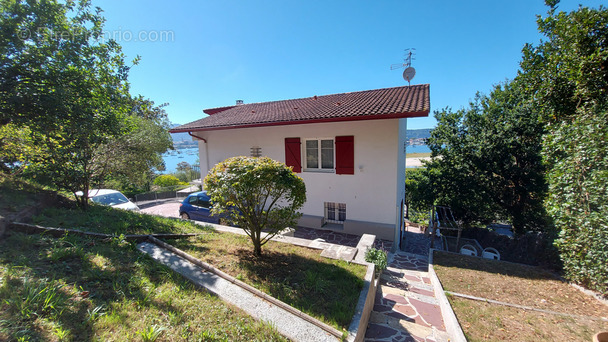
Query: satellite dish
[{"x": 408, "y": 74}]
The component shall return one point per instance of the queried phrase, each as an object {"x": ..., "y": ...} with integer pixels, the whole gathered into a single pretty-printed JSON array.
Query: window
[
  {"x": 199, "y": 202},
  {"x": 335, "y": 212},
  {"x": 320, "y": 154}
]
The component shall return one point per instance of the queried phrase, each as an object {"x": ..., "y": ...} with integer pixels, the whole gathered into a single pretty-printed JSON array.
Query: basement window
[{"x": 335, "y": 212}]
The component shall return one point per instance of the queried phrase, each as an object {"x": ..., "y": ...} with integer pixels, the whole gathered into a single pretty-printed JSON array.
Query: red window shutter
[
  {"x": 345, "y": 155},
  {"x": 292, "y": 154}
]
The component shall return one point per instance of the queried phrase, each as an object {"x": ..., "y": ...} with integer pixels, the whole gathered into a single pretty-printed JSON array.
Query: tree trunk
[
  {"x": 256, "y": 238},
  {"x": 257, "y": 249}
]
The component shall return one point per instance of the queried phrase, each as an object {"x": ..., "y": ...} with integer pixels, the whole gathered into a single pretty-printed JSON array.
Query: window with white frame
[
  {"x": 335, "y": 212},
  {"x": 319, "y": 154}
]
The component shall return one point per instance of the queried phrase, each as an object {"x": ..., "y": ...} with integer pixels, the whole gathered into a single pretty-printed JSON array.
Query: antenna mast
[{"x": 409, "y": 72}]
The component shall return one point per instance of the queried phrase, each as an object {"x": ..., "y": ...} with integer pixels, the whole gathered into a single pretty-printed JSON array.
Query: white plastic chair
[
  {"x": 468, "y": 250},
  {"x": 490, "y": 253}
]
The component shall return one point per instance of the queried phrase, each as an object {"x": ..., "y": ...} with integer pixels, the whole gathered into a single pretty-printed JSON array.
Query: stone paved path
[
  {"x": 406, "y": 308},
  {"x": 338, "y": 238}
]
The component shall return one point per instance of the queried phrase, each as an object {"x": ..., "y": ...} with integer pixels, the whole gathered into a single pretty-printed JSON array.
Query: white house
[{"x": 348, "y": 148}]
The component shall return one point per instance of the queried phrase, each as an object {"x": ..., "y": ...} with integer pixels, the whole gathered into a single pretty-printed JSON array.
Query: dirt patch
[
  {"x": 521, "y": 285},
  {"x": 489, "y": 322}
]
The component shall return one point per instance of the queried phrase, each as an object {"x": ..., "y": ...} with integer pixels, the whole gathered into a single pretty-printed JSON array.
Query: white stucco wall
[{"x": 371, "y": 194}]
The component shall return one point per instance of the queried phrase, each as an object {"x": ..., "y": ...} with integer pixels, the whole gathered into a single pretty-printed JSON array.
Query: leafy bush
[
  {"x": 167, "y": 180},
  {"x": 377, "y": 257},
  {"x": 577, "y": 198},
  {"x": 418, "y": 192},
  {"x": 256, "y": 194},
  {"x": 567, "y": 78},
  {"x": 420, "y": 217}
]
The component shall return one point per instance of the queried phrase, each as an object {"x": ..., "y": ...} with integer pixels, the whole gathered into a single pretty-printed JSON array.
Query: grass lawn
[
  {"x": 76, "y": 289},
  {"x": 101, "y": 219},
  {"x": 323, "y": 288},
  {"x": 16, "y": 195},
  {"x": 521, "y": 285},
  {"x": 97, "y": 290}
]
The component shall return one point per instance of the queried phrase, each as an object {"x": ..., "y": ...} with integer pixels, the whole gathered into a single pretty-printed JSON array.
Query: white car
[{"x": 112, "y": 198}]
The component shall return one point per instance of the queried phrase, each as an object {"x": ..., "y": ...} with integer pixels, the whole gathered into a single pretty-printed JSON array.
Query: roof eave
[{"x": 308, "y": 121}]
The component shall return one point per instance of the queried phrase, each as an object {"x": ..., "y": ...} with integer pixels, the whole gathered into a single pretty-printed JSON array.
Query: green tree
[
  {"x": 566, "y": 77},
  {"x": 183, "y": 166},
  {"x": 256, "y": 194},
  {"x": 63, "y": 83},
  {"x": 486, "y": 160},
  {"x": 132, "y": 158},
  {"x": 59, "y": 78}
]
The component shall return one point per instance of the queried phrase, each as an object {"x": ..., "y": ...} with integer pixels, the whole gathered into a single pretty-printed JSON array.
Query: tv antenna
[{"x": 409, "y": 72}]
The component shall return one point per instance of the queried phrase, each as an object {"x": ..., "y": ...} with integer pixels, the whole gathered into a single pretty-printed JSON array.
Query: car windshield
[{"x": 110, "y": 199}]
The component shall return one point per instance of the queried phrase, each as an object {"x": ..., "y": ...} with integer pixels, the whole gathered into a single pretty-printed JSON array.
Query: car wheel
[{"x": 185, "y": 216}]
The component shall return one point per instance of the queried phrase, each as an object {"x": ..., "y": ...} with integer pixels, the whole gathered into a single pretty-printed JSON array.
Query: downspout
[{"x": 206, "y": 151}]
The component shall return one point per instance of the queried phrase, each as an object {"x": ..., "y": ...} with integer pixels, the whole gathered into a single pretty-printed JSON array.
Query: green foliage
[
  {"x": 418, "y": 192},
  {"x": 568, "y": 71},
  {"x": 107, "y": 220},
  {"x": 486, "y": 160},
  {"x": 377, "y": 257},
  {"x": 35, "y": 297},
  {"x": 66, "y": 89},
  {"x": 17, "y": 147},
  {"x": 59, "y": 78},
  {"x": 114, "y": 277},
  {"x": 151, "y": 334},
  {"x": 566, "y": 77},
  {"x": 132, "y": 158},
  {"x": 167, "y": 180},
  {"x": 256, "y": 194},
  {"x": 578, "y": 197}
]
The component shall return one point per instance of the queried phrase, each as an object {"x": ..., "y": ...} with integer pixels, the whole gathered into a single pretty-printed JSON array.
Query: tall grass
[{"x": 30, "y": 298}]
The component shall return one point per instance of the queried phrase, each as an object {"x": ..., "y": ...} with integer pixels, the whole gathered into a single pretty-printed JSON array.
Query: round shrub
[{"x": 166, "y": 180}]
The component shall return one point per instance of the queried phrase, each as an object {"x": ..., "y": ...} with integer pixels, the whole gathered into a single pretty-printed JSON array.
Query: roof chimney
[{"x": 239, "y": 102}]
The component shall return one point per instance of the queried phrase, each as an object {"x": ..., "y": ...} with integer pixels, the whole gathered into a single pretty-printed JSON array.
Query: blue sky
[{"x": 205, "y": 54}]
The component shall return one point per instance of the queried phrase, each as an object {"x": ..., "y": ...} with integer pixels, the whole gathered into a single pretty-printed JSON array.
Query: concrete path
[{"x": 285, "y": 322}]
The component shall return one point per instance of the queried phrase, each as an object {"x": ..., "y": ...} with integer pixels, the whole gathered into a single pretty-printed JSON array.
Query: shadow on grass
[
  {"x": 491, "y": 266},
  {"x": 321, "y": 289},
  {"x": 92, "y": 275}
]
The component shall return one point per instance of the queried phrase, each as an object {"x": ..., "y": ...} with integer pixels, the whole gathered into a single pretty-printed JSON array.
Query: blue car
[{"x": 197, "y": 206}]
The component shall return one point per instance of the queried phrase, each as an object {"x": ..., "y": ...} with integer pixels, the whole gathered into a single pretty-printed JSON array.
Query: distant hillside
[
  {"x": 179, "y": 136},
  {"x": 418, "y": 133}
]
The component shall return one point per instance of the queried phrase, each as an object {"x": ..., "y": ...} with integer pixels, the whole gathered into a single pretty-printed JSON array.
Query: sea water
[{"x": 172, "y": 158}]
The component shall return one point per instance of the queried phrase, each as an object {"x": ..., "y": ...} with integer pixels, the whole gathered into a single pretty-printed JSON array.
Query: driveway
[{"x": 170, "y": 209}]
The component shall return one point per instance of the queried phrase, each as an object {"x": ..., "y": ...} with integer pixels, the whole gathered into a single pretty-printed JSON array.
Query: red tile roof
[{"x": 398, "y": 102}]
